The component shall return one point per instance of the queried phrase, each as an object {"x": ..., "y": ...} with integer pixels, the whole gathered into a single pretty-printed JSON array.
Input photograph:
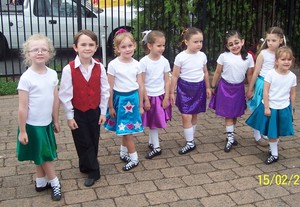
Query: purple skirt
[
  {"x": 191, "y": 97},
  {"x": 229, "y": 101},
  {"x": 157, "y": 116}
]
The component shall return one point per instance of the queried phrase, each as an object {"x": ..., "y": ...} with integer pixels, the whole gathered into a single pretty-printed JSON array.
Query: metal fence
[{"x": 61, "y": 19}]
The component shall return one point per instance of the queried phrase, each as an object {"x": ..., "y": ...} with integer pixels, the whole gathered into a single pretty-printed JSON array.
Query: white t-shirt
[
  {"x": 40, "y": 88},
  {"x": 234, "y": 67},
  {"x": 280, "y": 87},
  {"x": 191, "y": 66},
  {"x": 125, "y": 74},
  {"x": 268, "y": 62},
  {"x": 154, "y": 74}
]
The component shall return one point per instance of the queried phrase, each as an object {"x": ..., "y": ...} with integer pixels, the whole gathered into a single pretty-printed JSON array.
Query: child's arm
[
  {"x": 141, "y": 92},
  {"x": 111, "y": 81},
  {"x": 293, "y": 97},
  {"x": 207, "y": 84},
  {"x": 175, "y": 76},
  {"x": 165, "y": 102},
  {"x": 22, "y": 116},
  {"x": 216, "y": 77},
  {"x": 146, "y": 99},
  {"x": 105, "y": 91},
  {"x": 249, "y": 77},
  {"x": 258, "y": 65},
  {"x": 266, "y": 98},
  {"x": 55, "y": 112}
]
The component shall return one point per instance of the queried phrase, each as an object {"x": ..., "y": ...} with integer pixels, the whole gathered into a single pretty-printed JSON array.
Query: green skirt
[{"x": 41, "y": 145}]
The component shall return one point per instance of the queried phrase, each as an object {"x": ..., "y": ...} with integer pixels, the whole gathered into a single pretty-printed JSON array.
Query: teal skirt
[
  {"x": 280, "y": 123},
  {"x": 258, "y": 94},
  {"x": 41, "y": 145}
]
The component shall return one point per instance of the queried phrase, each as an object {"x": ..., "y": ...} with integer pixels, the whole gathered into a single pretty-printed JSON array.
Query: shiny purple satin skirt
[
  {"x": 229, "y": 101},
  {"x": 191, "y": 97}
]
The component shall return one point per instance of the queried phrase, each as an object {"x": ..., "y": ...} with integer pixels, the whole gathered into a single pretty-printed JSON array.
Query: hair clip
[
  {"x": 261, "y": 39},
  {"x": 145, "y": 35},
  {"x": 120, "y": 31},
  {"x": 183, "y": 32}
]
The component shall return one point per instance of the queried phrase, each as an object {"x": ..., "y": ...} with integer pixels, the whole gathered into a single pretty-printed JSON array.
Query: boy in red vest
[{"x": 84, "y": 93}]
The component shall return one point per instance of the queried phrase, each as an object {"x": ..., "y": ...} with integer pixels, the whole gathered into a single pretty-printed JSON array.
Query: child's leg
[
  {"x": 155, "y": 144},
  {"x": 260, "y": 141},
  {"x": 129, "y": 143},
  {"x": 230, "y": 124},
  {"x": 194, "y": 122},
  {"x": 124, "y": 151},
  {"x": 41, "y": 179},
  {"x": 188, "y": 131},
  {"x": 273, "y": 142},
  {"x": 53, "y": 180}
]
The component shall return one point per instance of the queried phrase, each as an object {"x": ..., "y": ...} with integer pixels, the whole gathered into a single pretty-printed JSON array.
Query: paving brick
[
  {"x": 250, "y": 150},
  {"x": 68, "y": 185},
  {"x": 225, "y": 155},
  {"x": 197, "y": 179},
  {"x": 148, "y": 175},
  {"x": 79, "y": 196},
  {"x": 100, "y": 203},
  {"x": 200, "y": 168},
  {"x": 217, "y": 201},
  {"x": 155, "y": 164},
  {"x": 133, "y": 200},
  {"x": 222, "y": 175},
  {"x": 191, "y": 192},
  {"x": 204, "y": 157},
  {"x": 7, "y": 193},
  {"x": 7, "y": 171},
  {"x": 268, "y": 192},
  {"x": 15, "y": 181},
  {"x": 186, "y": 203},
  {"x": 224, "y": 164},
  {"x": 175, "y": 172},
  {"x": 180, "y": 161},
  {"x": 245, "y": 196},
  {"x": 245, "y": 183},
  {"x": 292, "y": 200},
  {"x": 120, "y": 179},
  {"x": 219, "y": 188},
  {"x": 161, "y": 197},
  {"x": 271, "y": 203},
  {"x": 290, "y": 153},
  {"x": 247, "y": 171},
  {"x": 247, "y": 160},
  {"x": 169, "y": 183},
  {"x": 111, "y": 191},
  {"x": 140, "y": 187},
  {"x": 26, "y": 202}
]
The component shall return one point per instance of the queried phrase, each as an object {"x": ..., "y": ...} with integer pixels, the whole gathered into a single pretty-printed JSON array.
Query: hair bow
[
  {"x": 145, "y": 35},
  {"x": 120, "y": 31}
]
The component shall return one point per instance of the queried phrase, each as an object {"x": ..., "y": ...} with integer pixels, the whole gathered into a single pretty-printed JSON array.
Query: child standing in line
[
  {"x": 38, "y": 113},
  {"x": 229, "y": 96},
  {"x": 157, "y": 107},
  {"x": 190, "y": 74},
  {"x": 126, "y": 97},
  {"x": 84, "y": 93},
  {"x": 264, "y": 63},
  {"x": 274, "y": 116}
]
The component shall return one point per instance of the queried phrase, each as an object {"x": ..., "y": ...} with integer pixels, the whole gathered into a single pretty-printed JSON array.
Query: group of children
[{"x": 132, "y": 95}]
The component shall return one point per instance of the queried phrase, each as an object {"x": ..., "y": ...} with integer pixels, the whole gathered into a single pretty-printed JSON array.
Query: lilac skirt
[
  {"x": 229, "y": 101},
  {"x": 157, "y": 116},
  {"x": 191, "y": 97}
]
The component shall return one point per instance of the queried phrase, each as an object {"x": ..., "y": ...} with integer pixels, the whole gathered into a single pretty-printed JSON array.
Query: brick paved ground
[{"x": 205, "y": 177}]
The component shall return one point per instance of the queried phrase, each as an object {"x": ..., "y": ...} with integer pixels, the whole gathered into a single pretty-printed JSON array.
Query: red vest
[{"x": 86, "y": 94}]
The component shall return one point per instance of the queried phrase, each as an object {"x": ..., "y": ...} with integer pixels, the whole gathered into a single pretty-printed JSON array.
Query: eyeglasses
[{"x": 39, "y": 50}]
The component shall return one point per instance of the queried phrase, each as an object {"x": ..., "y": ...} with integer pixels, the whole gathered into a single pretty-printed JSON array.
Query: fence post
[{"x": 79, "y": 20}]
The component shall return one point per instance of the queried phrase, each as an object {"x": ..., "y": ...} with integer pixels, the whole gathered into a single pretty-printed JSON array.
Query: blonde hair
[
  {"x": 119, "y": 38},
  {"x": 284, "y": 52},
  {"x": 150, "y": 38},
  {"x": 36, "y": 37}
]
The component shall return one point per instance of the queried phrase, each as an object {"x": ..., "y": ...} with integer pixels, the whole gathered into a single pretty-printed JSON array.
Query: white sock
[
  {"x": 54, "y": 182},
  {"x": 256, "y": 134},
  {"x": 134, "y": 157},
  {"x": 265, "y": 137},
  {"x": 194, "y": 128},
  {"x": 230, "y": 128},
  {"x": 154, "y": 137},
  {"x": 274, "y": 148},
  {"x": 41, "y": 182},
  {"x": 188, "y": 134},
  {"x": 123, "y": 151}
]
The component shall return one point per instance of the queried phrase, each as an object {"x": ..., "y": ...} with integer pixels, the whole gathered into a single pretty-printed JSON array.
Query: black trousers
[{"x": 86, "y": 140}]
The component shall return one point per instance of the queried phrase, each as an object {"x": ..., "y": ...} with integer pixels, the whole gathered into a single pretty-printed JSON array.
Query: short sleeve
[
  {"x": 24, "y": 84},
  {"x": 177, "y": 61},
  {"x": 142, "y": 65},
  {"x": 111, "y": 69},
  {"x": 251, "y": 61},
  {"x": 220, "y": 59},
  {"x": 167, "y": 67},
  {"x": 268, "y": 77}
]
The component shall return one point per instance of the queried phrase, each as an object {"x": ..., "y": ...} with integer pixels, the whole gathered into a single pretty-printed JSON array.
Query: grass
[{"x": 8, "y": 87}]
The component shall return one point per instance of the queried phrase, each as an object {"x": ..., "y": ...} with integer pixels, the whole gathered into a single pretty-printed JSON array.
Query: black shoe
[
  {"x": 150, "y": 146},
  {"x": 56, "y": 193},
  {"x": 88, "y": 182},
  {"x": 235, "y": 143},
  {"x": 130, "y": 165},
  {"x": 229, "y": 145},
  {"x": 40, "y": 189},
  {"x": 271, "y": 159},
  {"x": 125, "y": 158},
  {"x": 155, "y": 152},
  {"x": 187, "y": 148}
]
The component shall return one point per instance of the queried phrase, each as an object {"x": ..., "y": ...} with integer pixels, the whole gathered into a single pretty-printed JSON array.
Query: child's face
[
  {"x": 158, "y": 47},
  {"x": 86, "y": 47},
  {"x": 126, "y": 48},
  {"x": 273, "y": 41},
  {"x": 38, "y": 52},
  {"x": 195, "y": 43},
  {"x": 284, "y": 62},
  {"x": 235, "y": 44}
]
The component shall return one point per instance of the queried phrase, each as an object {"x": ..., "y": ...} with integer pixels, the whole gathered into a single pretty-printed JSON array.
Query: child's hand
[
  {"x": 208, "y": 93},
  {"x": 267, "y": 111},
  {"x": 147, "y": 105},
  {"x": 249, "y": 95},
  {"x": 56, "y": 127},
  {"x": 72, "y": 124},
  {"x": 165, "y": 103},
  {"x": 23, "y": 138},
  {"x": 141, "y": 110},
  {"x": 112, "y": 112},
  {"x": 102, "y": 119},
  {"x": 172, "y": 99}
]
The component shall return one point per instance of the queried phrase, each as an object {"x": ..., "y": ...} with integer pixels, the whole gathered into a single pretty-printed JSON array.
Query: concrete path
[{"x": 205, "y": 177}]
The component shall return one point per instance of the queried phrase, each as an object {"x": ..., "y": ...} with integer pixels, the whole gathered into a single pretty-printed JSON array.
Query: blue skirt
[
  {"x": 258, "y": 94},
  {"x": 128, "y": 119},
  {"x": 280, "y": 123},
  {"x": 229, "y": 101},
  {"x": 191, "y": 97}
]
